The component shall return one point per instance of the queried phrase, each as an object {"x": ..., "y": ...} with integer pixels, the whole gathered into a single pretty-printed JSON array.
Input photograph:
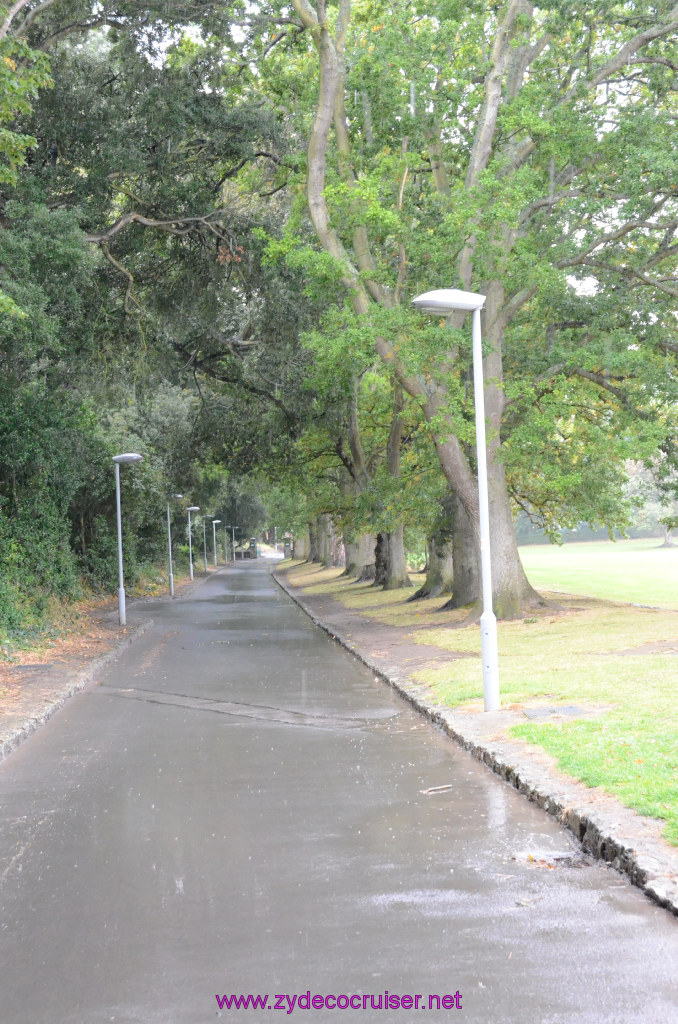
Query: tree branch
[
  {"x": 346, "y": 461},
  {"x": 177, "y": 225},
  {"x": 621, "y": 58},
  {"x": 601, "y": 381},
  {"x": 499, "y": 60},
  {"x": 614, "y": 236},
  {"x": 225, "y": 378},
  {"x": 77, "y": 26},
  {"x": 307, "y": 15},
  {"x": 625, "y": 271},
  {"x": 14, "y": 10},
  {"x": 129, "y": 296}
]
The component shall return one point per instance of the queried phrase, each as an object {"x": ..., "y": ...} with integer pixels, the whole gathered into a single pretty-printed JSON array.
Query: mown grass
[
  {"x": 571, "y": 654},
  {"x": 389, "y": 607},
  {"x": 629, "y": 749},
  {"x": 637, "y": 571}
]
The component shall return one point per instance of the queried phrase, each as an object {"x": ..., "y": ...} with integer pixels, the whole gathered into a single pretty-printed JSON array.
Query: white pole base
[
  {"x": 488, "y": 641},
  {"x": 122, "y": 614},
  {"x": 171, "y": 583}
]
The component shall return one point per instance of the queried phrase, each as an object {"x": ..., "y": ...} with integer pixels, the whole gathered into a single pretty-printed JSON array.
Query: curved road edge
[
  {"x": 13, "y": 734},
  {"x": 69, "y": 680},
  {"x": 614, "y": 834}
]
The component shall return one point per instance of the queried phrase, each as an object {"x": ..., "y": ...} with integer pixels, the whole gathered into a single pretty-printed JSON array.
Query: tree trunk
[
  {"x": 511, "y": 590},
  {"x": 380, "y": 559},
  {"x": 325, "y": 539},
  {"x": 364, "y": 566},
  {"x": 359, "y": 555},
  {"x": 396, "y": 564},
  {"x": 467, "y": 587},
  {"x": 390, "y": 561},
  {"x": 394, "y": 574},
  {"x": 351, "y": 549},
  {"x": 440, "y": 563},
  {"x": 512, "y": 593},
  {"x": 313, "y": 541},
  {"x": 331, "y": 546},
  {"x": 300, "y": 546}
]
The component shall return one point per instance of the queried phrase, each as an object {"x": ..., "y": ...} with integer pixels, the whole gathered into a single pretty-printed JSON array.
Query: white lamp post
[
  {"x": 215, "y": 523},
  {"x": 204, "y": 538},
  {"x": 442, "y": 303},
  {"x": 193, "y": 508},
  {"x": 169, "y": 546},
  {"x": 117, "y": 459}
]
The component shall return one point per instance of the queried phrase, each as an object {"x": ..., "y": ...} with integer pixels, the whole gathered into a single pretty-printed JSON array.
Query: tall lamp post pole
[
  {"x": 118, "y": 459},
  {"x": 169, "y": 546},
  {"x": 215, "y": 523},
  {"x": 193, "y": 508},
  {"x": 204, "y": 538},
  {"x": 443, "y": 302}
]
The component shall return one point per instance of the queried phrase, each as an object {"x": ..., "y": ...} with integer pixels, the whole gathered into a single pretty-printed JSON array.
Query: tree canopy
[{"x": 213, "y": 221}]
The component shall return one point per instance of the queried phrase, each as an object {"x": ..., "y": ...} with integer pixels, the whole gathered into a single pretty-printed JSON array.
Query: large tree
[
  {"x": 114, "y": 179},
  {"x": 520, "y": 151},
  {"x": 509, "y": 150}
]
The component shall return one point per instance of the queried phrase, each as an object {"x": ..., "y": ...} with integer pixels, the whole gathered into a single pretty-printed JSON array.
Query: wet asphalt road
[{"x": 236, "y": 807}]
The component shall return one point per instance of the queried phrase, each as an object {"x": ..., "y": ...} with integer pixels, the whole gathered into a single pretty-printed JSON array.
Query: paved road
[{"x": 236, "y": 807}]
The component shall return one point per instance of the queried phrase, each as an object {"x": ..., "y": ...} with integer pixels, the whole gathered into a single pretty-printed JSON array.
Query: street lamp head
[
  {"x": 128, "y": 457},
  {"x": 193, "y": 508},
  {"x": 215, "y": 522},
  {"x": 446, "y": 300},
  {"x": 178, "y": 495}
]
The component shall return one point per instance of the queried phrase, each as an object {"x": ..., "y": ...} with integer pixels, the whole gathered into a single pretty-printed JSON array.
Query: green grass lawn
[
  {"x": 630, "y": 747},
  {"x": 585, "y": 650},
  {"x": 634, "y": 571}
]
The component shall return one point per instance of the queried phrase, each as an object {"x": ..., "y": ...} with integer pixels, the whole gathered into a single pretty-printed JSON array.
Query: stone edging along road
[{"x": 606, "y": 829}]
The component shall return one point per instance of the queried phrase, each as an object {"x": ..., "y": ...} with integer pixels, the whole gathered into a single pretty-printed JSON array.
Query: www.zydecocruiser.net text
[{"x": 308, "y": 1001}]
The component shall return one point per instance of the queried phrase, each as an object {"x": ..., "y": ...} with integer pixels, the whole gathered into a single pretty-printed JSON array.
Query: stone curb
[
  {"x": 647, "y": 863},
  {"x": 75, "y": 681}
]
